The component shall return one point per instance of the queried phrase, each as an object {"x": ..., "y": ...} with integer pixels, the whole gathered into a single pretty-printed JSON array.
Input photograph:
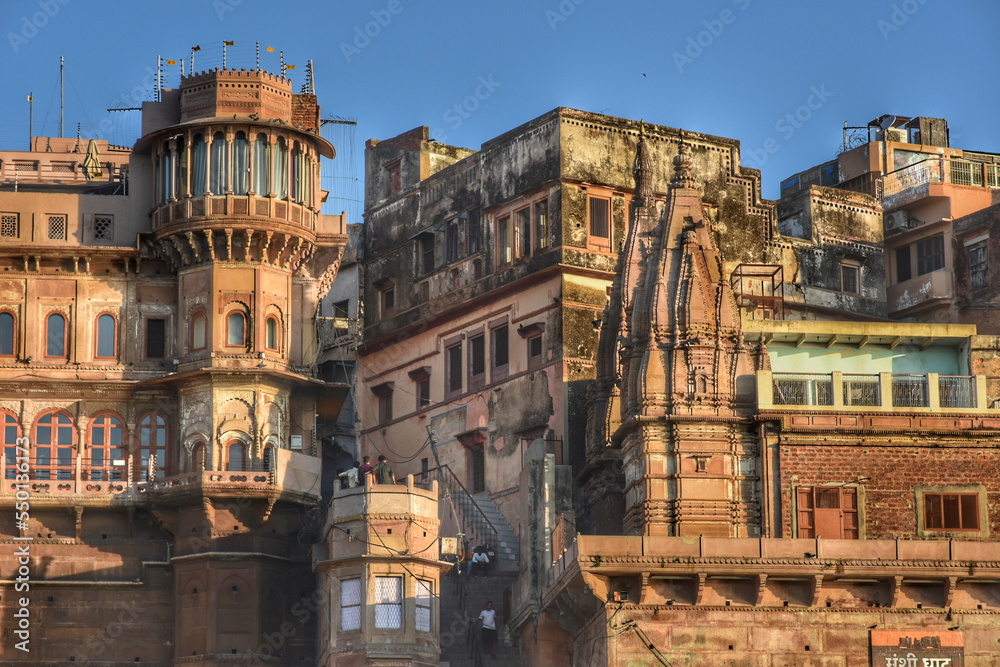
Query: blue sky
[{"x": 791, "y": 73}]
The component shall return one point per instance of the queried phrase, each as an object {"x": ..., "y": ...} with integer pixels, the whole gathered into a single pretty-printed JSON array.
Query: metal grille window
[
  {"x": 909, "y": 391},
  {"x": 903, "y": 271},
  {"x": 388, "y": 602},
  {"x": 350, "y": 604},
  {"x": 978, "y": 267},
  {"x": 500, "y": 350},
  {"x": 542, "y": 224},
  {"x": 423, "y": 599},
  {"x": 454, "y": 361},
  {"x": 957, "y": 392},
  {"x": 104, "y": 227},
  {"x": 9, "y": 226},
  {"x": 427, "y": 253},
  {"x": 599, "y": 210},
  {"x": 790, "y": 389},
  {"x": 930, "y": 255},
  {"x": 57, "y": 227},
  {"x": 861, "y": 390}
]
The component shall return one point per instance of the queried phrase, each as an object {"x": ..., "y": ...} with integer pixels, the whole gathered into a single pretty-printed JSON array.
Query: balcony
[
  {"x": 938, "y": 170},
  {"x": 879, "y": 392},
  {"x": 246, "y": 206}
]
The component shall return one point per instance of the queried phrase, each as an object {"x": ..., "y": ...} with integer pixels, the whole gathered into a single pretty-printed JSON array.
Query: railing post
[
  {"x": 933, "y": 392},
  {"x": 885, "y": 389},
  {"x": 981, "y": 397},
  {"x": 837, "y": 387}
]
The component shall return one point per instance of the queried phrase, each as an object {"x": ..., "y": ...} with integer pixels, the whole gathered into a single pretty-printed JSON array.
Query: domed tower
[{"x": 235, "y": 208}]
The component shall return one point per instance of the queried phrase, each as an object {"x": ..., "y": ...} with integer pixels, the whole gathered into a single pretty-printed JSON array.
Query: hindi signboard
[{"x": 917, "y": 648}]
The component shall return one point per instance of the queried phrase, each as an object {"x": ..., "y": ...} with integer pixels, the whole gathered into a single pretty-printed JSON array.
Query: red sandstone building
[{"x": 157, "y": 351}]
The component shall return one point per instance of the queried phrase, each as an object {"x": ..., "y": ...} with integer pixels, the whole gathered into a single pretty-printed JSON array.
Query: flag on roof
[
  {"x": 227, "y": 43},
  {"x": 270, "y": 49}
]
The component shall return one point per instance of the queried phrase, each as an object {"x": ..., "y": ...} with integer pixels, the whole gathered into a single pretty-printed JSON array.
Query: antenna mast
[
  {"x": 61, "y": 101},
  {"x": 31, "y": 118}
]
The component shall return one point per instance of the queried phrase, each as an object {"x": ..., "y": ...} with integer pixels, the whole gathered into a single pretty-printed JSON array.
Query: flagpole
[
  {"x": 258, "y": 56},
  {"x": 31, "y": 118},
  {"x": 223, "y": 54}
]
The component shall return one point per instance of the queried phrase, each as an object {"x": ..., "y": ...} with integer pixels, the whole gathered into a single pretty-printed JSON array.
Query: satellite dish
[{"x": 887, "y": 122}]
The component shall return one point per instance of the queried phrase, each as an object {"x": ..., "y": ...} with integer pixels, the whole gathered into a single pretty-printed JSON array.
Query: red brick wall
[
  {"x": 888, "y": 498},
  {"x": 305, "y": 112}
]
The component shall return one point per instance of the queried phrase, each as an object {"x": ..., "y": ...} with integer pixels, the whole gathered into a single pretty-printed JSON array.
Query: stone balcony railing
[
  {"x": 875, "y": 392},
  {"x": 245, "y": 206}
]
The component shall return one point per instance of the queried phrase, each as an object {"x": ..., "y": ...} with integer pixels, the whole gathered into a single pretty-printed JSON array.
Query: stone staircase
[
  {"x": 507, "y": 546},
  {"x": 462, "y": 598}
]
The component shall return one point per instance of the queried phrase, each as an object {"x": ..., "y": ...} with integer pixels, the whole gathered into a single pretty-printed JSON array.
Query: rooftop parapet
[{"x": 221, "y": 93}]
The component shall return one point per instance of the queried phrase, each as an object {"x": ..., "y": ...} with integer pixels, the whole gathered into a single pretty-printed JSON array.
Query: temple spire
[
  {"x": 642, "y": 171},
  {"x": 682, "y": 167}
]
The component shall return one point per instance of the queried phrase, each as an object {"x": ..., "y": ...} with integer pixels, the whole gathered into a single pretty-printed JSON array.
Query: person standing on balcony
[
  {"x": 489, "y": 618},
  {"x": 383, "y": 472},
  {"x": 351, "y": 475},
  {"x": 364, "y": 472}
]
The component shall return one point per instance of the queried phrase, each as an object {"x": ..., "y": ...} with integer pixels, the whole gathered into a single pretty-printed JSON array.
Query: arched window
[
  {"x": 106, "y": 336},
  {"x": 219, "y": 180},
  {"x": 198, "y": 338},
  {"x": 281, "y": 168},
  {"x": 7, "y": 335},
  {"x": 11, "y": 432},
  {"x": 55, "y": 336},
  {"x": 152, "y": 445},
  {"x": 241, "y": 164},
  {"x": 199, "y": 459},
  {"x": 200, "y": 165},
  {"x": 261, "y": 166},
  {"x": 54, "y": 446},
  {"x": 236, "y": 329},
  {"x": 235, "y": 459},
  {"x": 271, "y": 333},
  {"x": 106, "y": 449}
]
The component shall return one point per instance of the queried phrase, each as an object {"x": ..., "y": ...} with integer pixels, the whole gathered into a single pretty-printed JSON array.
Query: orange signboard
[{"x": 917, "y": 648}]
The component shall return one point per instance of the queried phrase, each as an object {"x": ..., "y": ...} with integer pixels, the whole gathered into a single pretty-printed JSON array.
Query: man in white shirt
[
  {"x": 351, "y": 475},
  {"x": 489, "y": 618},
  {"x": 478, "y": 562}
]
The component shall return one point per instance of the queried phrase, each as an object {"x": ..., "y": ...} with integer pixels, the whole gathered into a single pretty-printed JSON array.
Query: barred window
[
  {"x": 57, "y": 227},
  {"x": 599, "y": 212},
  {"x": 104, "y": 227},
  {"x": 978, "y": 267},
  {"x": 388, "y": 602},
  {"x": 423, "y": 598},
  {"x": 9, "y": 227},
  {"x": 930, "y": 254},
  {"x": 350, "y": 604}
]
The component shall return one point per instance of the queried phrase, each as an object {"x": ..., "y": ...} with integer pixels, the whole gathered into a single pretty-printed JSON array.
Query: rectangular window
[
  {"x": 474, "y": 232},
  {"x": 341, "y": 313},
  {"x": 388, "y": 602},
  {"x": 104, "y": 227},
  {"x": 524, "y": 232},
  {"x": 930, "y": 254},
  {"x": 385, "y": 407},
  {"x": 350, "y": 604},
  {"x": 57, "y": 227},
  {"x": 951, "y": 511},
  {"x": 9, "y": 225},
  {"x": 156, "y": 338},
  {"x": 978, "y": 267},
  {"x": 903, "y": 271},
  {"x": 504, "y": 249},
  {"x": 388, "y": 302},
  {"x": 478, "y": 465},
  {"x": 501, "y": 357},
  {"x": 849, "y": 279},
  {"x": 453, "y": 361},
  {"x": 423, "y": 393},
  {"x": 451, "y": 241},
  {"x": 477, "y": 362},
  {"x": 427, "y": 253},
  {"x": 542, "y": 224},
  {"x": 535, "y": 350},
  {"x": 392, "y": 178},
  {"x": 599, "y": 224},
  {"x": 827, "y": 511},
  {"x": 423, "y": 600}
]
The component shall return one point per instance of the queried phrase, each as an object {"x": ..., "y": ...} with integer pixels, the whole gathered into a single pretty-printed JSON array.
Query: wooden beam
[
  {"x": 927, "y": 342},
  {"x": 801, "y": 339},
  {"x": 864, "y": 341},
  {"x": 895, "y": 341},
  {"x": 833, "y": 340}
]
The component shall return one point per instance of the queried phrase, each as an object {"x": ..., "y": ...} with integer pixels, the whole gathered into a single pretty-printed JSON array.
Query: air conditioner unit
[{"x": 896, "y": 220}]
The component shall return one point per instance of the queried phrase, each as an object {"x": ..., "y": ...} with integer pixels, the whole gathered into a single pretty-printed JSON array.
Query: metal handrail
[{"x": 452, "y": 485}]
